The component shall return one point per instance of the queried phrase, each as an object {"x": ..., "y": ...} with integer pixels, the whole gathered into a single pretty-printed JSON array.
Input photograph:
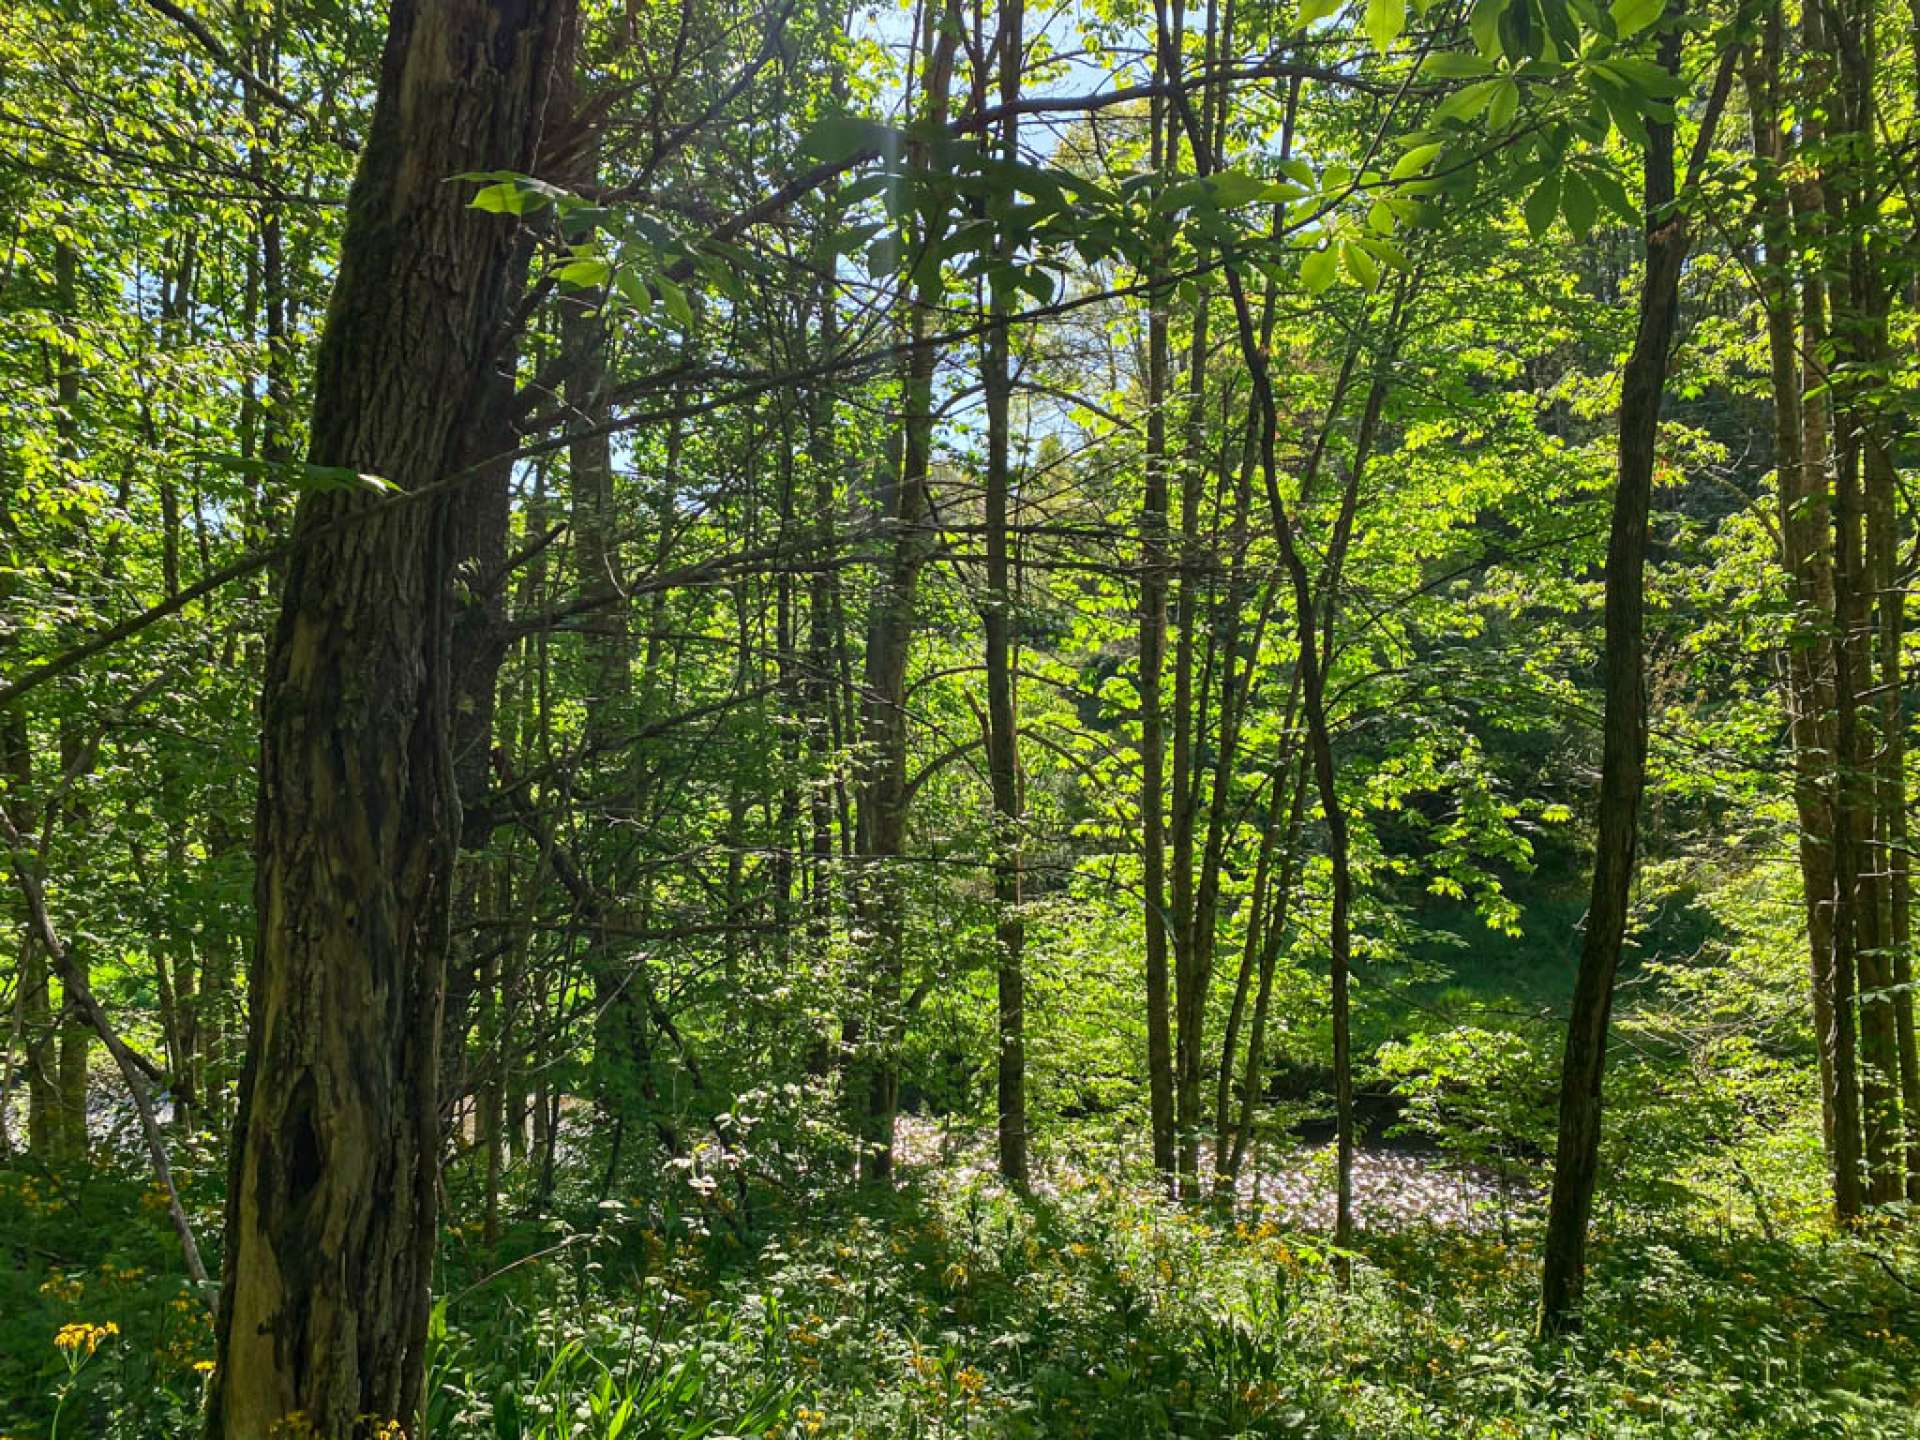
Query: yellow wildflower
[{"x": 76, "y": 1337}]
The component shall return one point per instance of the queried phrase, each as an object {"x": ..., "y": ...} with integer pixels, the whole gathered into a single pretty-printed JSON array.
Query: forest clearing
[{"x": 915, "y": 719}]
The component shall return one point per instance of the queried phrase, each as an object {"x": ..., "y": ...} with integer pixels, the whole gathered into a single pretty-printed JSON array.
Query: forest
[{"x": 940, "y": 719}]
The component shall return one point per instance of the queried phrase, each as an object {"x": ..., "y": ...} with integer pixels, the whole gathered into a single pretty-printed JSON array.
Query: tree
[
  {"x": 1003, "y": 732},
  {"x": 331, "y": 1210},
  {"x": 1624, "y": 730}
]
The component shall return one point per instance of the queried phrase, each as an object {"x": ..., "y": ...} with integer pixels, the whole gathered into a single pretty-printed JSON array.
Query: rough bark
[
  {"x": 330, "y": 1224},
  {"x": 1876, "y": 792}
]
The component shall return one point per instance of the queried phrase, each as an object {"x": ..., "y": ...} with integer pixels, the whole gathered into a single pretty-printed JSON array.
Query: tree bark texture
[{"x": 330, "y": 1226}]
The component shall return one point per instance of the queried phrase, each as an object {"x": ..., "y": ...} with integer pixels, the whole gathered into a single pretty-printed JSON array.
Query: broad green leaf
[
  {"x": 1577, "y": 204},
  {"x": 1361, "y": 265},
  {"x": 837, "y": 138},
  {"x": 1318, "y": 270},
  {"x": 1561, "y": 26},
  {"x": 1383, "y": 250},
  {"x": 1456, "y": 65},
  {"x": 1641, "y": 76},
  {"x": 1613, "y": 195},
  {"x": 585, "y": 273},
  {"x": 1313, "y": 10},
  {"x": 509, "y": 197},
  {"x": 633, "y": 286},
  {"x": 312, "y": 479},
  {"x": 1543, "y": 204},
  {"x": 1384, "y": 21},
  {"x": 1231, "y": 188},
  {"x": 1501, "y": 107},
  {"x": 1484, "y": 22},
  {"x": 883, "y": 256},
  {"x": 675, "y": 299},
  {"x": 1416, "y": 160},
  {"x": 1469, "y": 100},
  {"x": 1630, "y": 17}
]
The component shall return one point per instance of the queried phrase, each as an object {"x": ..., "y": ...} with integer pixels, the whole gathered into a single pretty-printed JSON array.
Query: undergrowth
[{"x": 951, "y": 1308}]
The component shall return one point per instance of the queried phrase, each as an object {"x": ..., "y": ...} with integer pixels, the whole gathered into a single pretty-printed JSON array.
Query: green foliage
[{"x": 671, "y": 953}]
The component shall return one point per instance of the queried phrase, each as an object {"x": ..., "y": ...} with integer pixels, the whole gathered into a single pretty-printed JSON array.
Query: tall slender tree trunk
[
  {"x": 1154, "y": 566},
  {"x": 70, "y": 1136},
  {"x": 1312, "y": 665},
  {"x": 35, "y": 999},
  {"x": 1806, "y": 553},
  {"x": 1003, "y": 739},
  {"x": 1875, "y": 621},
  {"x": 1833, "y": 978},
  {"x": 331, "y": 1210},
  {"x": 1624, "y": 749},
  {"x": 621, "y": 1036},
  {"x": 1290, "y": 779},
  {"x": 875, "y": 1035}
]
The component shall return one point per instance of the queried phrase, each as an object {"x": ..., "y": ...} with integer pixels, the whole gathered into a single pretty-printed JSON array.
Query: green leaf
[
  {"x": 1469, "y": 100},
  {"x": 312, "y": 479},
  {"x": 510, "y": 197},
  {"x": 1231, "y": 188},
  {"x": 1384, "y": 21},
  {"x": 1613, "y": 195},
  {"x": 1456, "y": 65},
  {"x": 1362, "y": 266},
  {"x": 675, "y": 299},
  {"x": 1312, "y": 10},
  {"x": 1577, "y": 204},
  {"x": 588, "y": 272},
  {"x": 633, "y": 286},
  {"x": 1630, "y": 17},
  {"x": 1561, "y": 26},
  {"x": 1383, "y": 250},
  {"x": 1416, "y": 160},
  {"x": 1543, "y": 204},
  {"x": 883, "y": 256},
  {"x": 1642, "y": 76},
  {"x": 835, "y": 139},
  {"x": 1318, "y": 270},
  {"x": 1485, "y": 25},
  {"x": 1503, "y": 104}
]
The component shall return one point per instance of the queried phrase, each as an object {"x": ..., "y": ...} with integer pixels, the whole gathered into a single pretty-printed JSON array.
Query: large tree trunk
[
  {"x": 330, "y": 1224},
  {"x": 1624, "y": 753}
]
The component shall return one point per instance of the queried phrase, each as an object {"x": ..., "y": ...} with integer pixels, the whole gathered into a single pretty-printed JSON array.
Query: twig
[{"x": 80, "y": 993}]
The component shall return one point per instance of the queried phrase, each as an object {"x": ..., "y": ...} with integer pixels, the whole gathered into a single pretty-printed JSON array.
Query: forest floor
[{"x": 1086, "y": 1309}]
